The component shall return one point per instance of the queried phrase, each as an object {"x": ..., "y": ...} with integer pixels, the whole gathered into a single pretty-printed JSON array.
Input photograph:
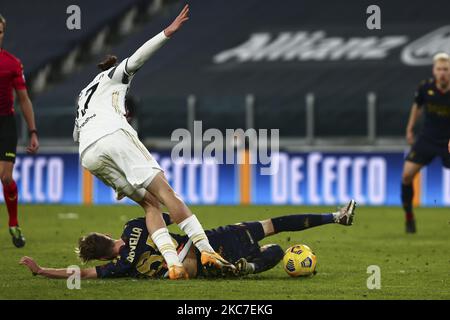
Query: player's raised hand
[
  {"x": 448, "y": 146},
  {"x": 31, "y": 264},
  {"x": 178, "y": 22}
]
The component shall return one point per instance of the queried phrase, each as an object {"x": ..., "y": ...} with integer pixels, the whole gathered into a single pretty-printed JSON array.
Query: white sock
[
  {"x": 163, "y": 241},
  {"x": 194, "y": 230},
  {"x": 336, "y": 216}
]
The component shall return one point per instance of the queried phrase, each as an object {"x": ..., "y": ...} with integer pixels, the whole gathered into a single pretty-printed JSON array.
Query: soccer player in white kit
[{"x": 110, "y": 149}]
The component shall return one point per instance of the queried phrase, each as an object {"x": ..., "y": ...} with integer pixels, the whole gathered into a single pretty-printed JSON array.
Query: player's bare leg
[
  {"x": 410, "y": 170},
  {"x": 10, "y": 194},
  {"x": 298, "y": 222},
  {"x": 160, "y": 235},
  {"x": 182, "y": 215}
]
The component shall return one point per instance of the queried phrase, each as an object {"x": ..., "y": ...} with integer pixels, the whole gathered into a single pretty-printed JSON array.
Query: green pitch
[{"x": 412, "y": 266}]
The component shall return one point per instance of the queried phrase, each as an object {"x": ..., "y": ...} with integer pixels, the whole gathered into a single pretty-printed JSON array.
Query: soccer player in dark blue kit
[
  {"x": 135, "y": 255},
  {"x": 433, "y": 99}
]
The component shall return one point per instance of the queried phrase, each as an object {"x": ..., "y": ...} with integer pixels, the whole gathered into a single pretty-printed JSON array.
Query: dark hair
[
  {"x": 3, "y": 21},
  {"x": 94, "y": 246},
  {"x": 108, "y": 62}
]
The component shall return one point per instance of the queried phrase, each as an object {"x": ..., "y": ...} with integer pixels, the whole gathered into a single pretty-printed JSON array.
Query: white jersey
[{"x": 101, "y": 106}]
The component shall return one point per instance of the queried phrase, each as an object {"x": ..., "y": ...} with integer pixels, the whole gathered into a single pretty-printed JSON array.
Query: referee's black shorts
[
  {"x": 425, "y": 150},
  {"x": 8, "y": 138}
]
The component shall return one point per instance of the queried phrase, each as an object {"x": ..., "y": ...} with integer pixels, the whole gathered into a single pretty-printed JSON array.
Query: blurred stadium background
[{"x": 339, "y": 93}]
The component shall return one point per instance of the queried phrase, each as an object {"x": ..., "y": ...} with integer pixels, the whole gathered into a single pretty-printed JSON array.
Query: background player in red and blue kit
[
  {"x": 433, "y": 99},
  {"x": 12, "y": 78}
]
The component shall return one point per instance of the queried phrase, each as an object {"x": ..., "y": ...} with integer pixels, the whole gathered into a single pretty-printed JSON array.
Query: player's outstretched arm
[
  {"x": 448, "y": 146},
  {"x": 142, "y": 54},
  {"x": 28, "y": 114},
  {"x": 63, "y": 273}
]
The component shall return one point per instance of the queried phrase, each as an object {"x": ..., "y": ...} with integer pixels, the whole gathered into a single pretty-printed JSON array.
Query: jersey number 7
[{"x": 89, "y": 93}]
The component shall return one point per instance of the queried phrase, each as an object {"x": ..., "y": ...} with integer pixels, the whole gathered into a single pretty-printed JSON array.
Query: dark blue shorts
[
  {"x": 236, "y": 241},
  {"x": 424, "y": 151}
]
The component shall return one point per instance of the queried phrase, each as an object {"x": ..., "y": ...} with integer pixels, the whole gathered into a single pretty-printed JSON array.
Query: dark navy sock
[
  {"x": 299, "y": 222},
  {"x": 407, "y": 199},
  {"x": 269, "y": 257}
]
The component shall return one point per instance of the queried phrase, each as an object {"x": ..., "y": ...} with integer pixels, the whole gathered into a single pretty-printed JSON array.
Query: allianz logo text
[{"x": 318, "y": 46}]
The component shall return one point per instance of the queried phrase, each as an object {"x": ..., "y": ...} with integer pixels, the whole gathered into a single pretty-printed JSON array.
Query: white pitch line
[{"x": 68, "y": 216}]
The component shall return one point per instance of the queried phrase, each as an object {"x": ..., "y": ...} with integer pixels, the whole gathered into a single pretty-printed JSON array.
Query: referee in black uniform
[{"x": 432, "y": 98}]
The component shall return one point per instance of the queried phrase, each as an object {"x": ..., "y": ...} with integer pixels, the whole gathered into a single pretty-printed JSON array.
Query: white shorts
[{"x": 121, "y": 161}]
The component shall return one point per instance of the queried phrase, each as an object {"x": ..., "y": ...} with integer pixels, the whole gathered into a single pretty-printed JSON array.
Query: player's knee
[
  {"x": 6, "y": 177},
  {"x": 279, "y": 251},
  {"x": 169, "y": 196},
  {"x": 275, "y": 249},
  {"x": 149, "y": 203},
  {"x": 407, "y": 178}
]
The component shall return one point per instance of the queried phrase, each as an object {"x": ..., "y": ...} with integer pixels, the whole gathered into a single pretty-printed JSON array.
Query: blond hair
[
  {"x": 3, "y": 21},
  {"x": 442, "y": 56}
]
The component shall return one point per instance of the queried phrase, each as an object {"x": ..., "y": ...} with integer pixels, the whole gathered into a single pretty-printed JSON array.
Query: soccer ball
[{"x": 299, "y": 261}]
